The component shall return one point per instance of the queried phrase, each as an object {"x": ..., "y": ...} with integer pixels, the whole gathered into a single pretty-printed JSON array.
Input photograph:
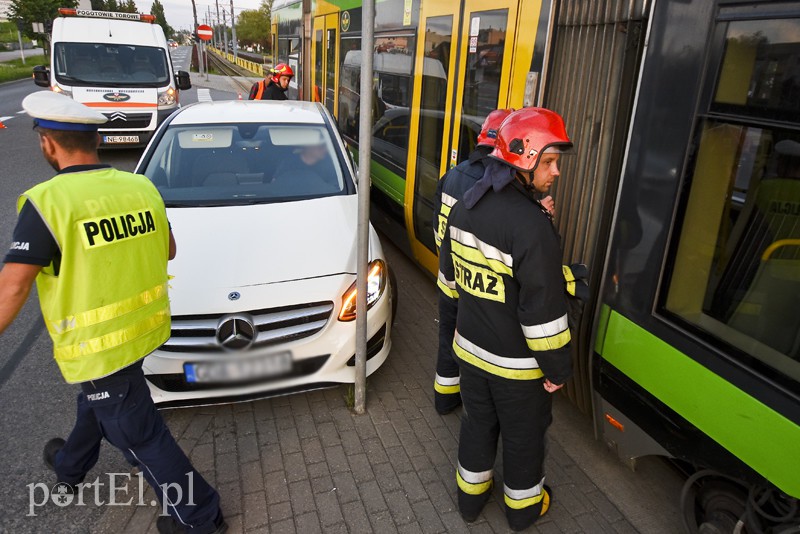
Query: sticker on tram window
[
  {"x": 473, "y": 45},
  {"x": 475, "y": 27},
  {"x": 407, "y": 12}
]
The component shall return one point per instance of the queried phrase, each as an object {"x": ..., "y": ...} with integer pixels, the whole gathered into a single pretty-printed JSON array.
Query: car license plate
[
  {"x": 109, "y": 139},
  {"x": 239, "y": 370}
]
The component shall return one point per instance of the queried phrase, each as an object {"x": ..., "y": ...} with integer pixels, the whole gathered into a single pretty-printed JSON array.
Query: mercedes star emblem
[
  {"x": 236, "y": 332},
  {"x": 233, "y": 295}
]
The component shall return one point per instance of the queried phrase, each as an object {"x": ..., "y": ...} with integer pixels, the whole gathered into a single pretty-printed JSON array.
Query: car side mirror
[
  {"x": 183, "y": 80},
  {"x": 41, "y": 76}
]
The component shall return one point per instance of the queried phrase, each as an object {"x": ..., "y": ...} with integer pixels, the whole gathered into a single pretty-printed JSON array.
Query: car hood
[{"x": 239, "y": 246}]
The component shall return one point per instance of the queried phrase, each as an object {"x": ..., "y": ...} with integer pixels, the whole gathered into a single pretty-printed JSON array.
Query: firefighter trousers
[
  {"x": 520, "y": 412},
  {"x": 446, "y": 385},
  {"x": 119, "y": 408}
]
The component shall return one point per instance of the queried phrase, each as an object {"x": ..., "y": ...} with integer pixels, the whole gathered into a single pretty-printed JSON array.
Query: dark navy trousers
[
  {"x": 119, "y": 408},
  {"x": 447, "y": 389}
]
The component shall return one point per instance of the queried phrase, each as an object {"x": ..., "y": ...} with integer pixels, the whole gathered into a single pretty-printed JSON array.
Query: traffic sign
[{"x": 205, "y": 32}]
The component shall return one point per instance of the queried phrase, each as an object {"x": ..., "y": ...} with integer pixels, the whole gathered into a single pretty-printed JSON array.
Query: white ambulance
[{"x": 118, "y": 63}]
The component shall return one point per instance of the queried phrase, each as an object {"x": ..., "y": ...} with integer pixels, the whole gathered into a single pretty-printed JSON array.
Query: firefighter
[
  {"x": 449, "y": 190},
  {"x": 500, "y": 257},
  {"x": 96, "y": 241},
  {"x": 274, "y": 87}
]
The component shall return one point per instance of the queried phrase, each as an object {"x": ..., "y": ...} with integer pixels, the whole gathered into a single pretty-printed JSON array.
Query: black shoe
[
  {"x": 473, "y": 516},
  {"x": 448, "y": 407},
  {"x": 547, "y": 495},
  {"x": 167, "y": 525},
  {"x": 51, "y": 448}
]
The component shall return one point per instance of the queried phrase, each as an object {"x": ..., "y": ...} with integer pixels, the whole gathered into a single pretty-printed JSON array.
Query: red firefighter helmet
[
  {"x": 488, "y": 134},
  {"x": 526, "y": 134},
  {"x": 281, "y": 69}
]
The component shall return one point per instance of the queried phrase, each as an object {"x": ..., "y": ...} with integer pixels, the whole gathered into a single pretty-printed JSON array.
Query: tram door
[
  {"x": 465, "y": 63},
  {"x": 325, "y": 58}
]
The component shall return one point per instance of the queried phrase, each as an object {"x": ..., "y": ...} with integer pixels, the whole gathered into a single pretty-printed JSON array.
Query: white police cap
[{"x": 58, "y": 112}]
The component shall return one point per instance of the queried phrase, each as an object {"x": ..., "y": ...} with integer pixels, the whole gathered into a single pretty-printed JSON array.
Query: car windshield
[
  {"x": 110, "y": 65},
  {"x": 230, "y": 164}
]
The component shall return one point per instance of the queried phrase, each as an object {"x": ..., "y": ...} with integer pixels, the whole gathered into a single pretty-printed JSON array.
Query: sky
[{"x": 179, "y": 12}]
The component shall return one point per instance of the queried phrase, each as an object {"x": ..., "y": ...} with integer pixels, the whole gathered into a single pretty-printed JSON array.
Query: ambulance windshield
[{"x": 110, "y": 65}]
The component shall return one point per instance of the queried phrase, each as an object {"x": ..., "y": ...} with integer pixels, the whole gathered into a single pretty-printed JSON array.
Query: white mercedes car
[{"x": 262, "y": 201}]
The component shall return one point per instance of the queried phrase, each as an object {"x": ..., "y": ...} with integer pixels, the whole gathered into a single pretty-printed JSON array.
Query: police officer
[
  {"x": 97, "y": 241},
  {"x": 501, "y": 258},
  {"x": 449, "y": 190},
  {"x": 275, "y": 87}
]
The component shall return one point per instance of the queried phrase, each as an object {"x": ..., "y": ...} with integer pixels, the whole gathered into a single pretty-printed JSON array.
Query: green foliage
[
  {"x": 120, "y": 6},
  {"x": 15, "y": 70},
  {"x": 30, "y": 11},
  {"x": 157, "y": 9},
  {"x": 128, "y": 6},
  {"x": 254, "y": 25}
]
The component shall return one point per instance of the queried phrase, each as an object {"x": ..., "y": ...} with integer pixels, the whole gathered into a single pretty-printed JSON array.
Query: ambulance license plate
[
  {"x": 120, "y": 139},
  {"x": 239, "y": 370}
]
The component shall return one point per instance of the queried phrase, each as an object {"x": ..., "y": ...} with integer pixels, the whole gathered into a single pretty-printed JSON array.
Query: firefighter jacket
[
  {"x": 501, "y": 259},
  {"x": 453, "y": 185},
  {"x": 267, "y": 90}
]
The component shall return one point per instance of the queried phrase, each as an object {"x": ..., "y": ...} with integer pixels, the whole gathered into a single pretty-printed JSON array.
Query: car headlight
[
  {"x": 167, "y": 98},
  {"x": 58, "y": 89},
  {"x": 376, "y": 284}
]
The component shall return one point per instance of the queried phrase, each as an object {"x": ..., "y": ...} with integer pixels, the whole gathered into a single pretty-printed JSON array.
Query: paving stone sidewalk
[{"x": 305, "y": 463}]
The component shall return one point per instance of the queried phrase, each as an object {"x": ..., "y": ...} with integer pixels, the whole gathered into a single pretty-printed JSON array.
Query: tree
[
  {"x": 157, "y": 10},
  {"x": 127, "y": 6},
  {"x": 254, "y": 25},
  {"x": 27, "y": 12}
]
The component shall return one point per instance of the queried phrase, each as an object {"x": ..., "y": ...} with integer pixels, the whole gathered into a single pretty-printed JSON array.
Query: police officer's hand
[
  {"x": 550, "y": 205},
  {"x": 550, "y": 387}
]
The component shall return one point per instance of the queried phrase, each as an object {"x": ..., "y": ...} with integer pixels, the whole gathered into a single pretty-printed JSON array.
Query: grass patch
[{"x": 15, "y": 70}]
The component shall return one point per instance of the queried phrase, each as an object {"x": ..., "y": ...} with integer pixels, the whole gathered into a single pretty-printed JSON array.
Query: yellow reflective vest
[{"x": 106, "y": 306}]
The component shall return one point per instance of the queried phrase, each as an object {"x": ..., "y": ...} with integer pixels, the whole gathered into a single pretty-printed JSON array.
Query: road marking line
[
  {"x": 3, "y": 119},
  {"x": 20, "y": 112},
  {"x": 204, "y": 95}
]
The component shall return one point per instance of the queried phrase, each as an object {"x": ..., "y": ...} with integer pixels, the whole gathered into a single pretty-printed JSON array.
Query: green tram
[{"x": 683, "y": 197}]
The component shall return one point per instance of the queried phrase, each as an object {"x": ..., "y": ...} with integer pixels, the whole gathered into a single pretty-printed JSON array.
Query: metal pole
[
  {"x": 233, "y": 34},
  {"x": 362, "y": 232},
  {"x": 224, "y": 29},
  {"x": 205, "y": 55},
  {"x": 21, "y": 51},
  {"x": 217, "y": 26}
]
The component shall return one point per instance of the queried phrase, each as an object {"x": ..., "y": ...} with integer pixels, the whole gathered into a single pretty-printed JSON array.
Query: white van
[{"x": 118, "y": 63}]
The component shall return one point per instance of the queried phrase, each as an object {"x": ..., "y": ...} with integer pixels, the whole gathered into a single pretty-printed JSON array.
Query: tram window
[
  {"x": 317, "y": 94},
  {"x": 736, "y": 270},
  {"x": 760, "y": 73},
  {"x": 482, "y": 75},
  {"x": 330, "y": 68},
  {"x": 393, "y": 64},
  {"x": 433, "y": 99},
  {"x": 349, "y": 86}
]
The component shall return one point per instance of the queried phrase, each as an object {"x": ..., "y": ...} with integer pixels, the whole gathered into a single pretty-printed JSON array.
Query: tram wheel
[{"x": 718, "y": 507}]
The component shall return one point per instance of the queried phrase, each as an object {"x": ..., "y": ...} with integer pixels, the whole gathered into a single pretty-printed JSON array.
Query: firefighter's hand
[
  {"x": 550, "y": 387},
  {"x": 550, "y": 205}
]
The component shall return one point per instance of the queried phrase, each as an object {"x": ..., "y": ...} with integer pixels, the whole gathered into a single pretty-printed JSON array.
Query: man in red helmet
[
  {"x": 273, "y": 88},
  {"x": 501, "y": 258},
  {"x": 449, "y": 190}
]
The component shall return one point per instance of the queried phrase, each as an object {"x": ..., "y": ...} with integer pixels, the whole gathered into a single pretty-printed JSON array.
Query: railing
[{"x": 252, "y": 66}]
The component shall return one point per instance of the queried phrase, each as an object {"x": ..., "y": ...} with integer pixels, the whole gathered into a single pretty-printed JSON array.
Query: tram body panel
[{"x": 677, "y": 349}]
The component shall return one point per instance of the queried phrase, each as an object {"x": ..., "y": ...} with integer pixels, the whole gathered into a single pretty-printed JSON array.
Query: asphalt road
[{"x": 36, "y": 404}]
